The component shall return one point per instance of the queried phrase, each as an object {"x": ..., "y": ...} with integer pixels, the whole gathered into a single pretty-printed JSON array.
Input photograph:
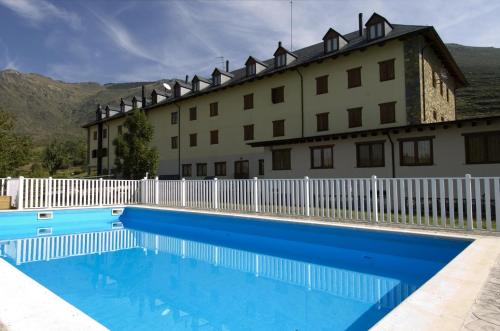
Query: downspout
[
  {"x": 301, "y": 101},
  {"x": 178, "y": 138},
  {"x": 392, "y": 155}
]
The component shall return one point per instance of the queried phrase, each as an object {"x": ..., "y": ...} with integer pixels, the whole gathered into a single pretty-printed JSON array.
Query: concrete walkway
[{"x": 485, "y": 312}]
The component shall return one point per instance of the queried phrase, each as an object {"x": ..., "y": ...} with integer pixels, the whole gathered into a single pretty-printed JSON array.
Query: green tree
[
  {"x": 134, "y": 156},
  {"x": 62, "y": 154},
  {"x": 15, "y": 149}
]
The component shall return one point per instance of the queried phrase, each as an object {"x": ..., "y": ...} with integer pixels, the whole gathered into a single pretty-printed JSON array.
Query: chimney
[
  {"x": 360, "y": 20},
  {"x": 227, "y": 65},
  {"x": 98, "y": 112},
  {"x": 279, "y": 44},
  {"x": 143, "y": 96},
  {"x": 187, "y": 78}
]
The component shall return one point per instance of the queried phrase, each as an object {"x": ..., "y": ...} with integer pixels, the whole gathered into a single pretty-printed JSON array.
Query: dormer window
[
  {"x": 376, "y": 31},
  {"x": 216, "y": 79},
  {"x": 251, "y": 70},
  {"x": 377, "y": 27},
  {"x": 281, "y": 60},
  {"x": 332, "y": 45},
  {"x": 196, "y": 86}
]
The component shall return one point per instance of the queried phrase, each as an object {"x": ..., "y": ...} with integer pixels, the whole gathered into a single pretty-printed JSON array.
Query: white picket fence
[{"x": 462, "y": 202}]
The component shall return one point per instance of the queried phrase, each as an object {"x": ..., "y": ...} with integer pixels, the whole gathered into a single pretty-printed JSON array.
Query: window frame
[
  {"x": 174, "y": 118},
  {"x": 193, "y": 114},
  {"x": 204, "y": 167},
  {"x": 248, "y": 101},
  {"x": 322, "y": 89},
  {"x": 174, "y": 142},
  {"x": 216, "y": 165},
  {"x": 214, "y": 137},
  {"x": 350, "y": 79},
  {"x": 275, "y": 96},
  {"x": 379, "y": 33},
  {"x": 383, "y": 120},
  {"x": 280, "y": 60},
  {"x": 370, "y": 154},
  {"x": 349, "y": 119},
  {"x": 251, "y": 69},
  {"x": 193, "y": 139},
  {"x": 322, "y": 148},
  {"x": 186, "y": 166},
  {"x": 214, "y": 109},
  {"x": 250, "y": 133},
  {"x": 275, "y": 128},
  {"x": 485, "y": 136},
  {"x": 415, "y": 141},
  {"x": 385, "y": 76},
  {"x": 332, "y": 45},
  {"x": 287, "y": 166},
  {"x": 318, "y": 122}
]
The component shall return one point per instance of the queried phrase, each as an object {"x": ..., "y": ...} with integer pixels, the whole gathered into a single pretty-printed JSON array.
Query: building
[{"x": 341, "y": 107}]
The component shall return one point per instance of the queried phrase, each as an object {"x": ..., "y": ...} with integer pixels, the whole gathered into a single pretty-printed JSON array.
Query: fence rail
[{"x": 462, "y": 202}]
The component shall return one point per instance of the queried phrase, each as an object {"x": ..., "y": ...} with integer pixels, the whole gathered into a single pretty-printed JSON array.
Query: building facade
[{"x": 267, "y": 118}]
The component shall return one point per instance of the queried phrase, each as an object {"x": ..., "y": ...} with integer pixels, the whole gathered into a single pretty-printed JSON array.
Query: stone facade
[{"x": 412, "y": 80}]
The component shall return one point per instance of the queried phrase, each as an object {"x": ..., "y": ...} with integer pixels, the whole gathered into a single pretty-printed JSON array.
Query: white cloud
[{"x": 38, "y": 11}]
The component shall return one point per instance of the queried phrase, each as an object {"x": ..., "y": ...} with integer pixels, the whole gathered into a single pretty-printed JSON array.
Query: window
[
  {"x": 331, "y": 45},
  {"x": 94, "y": 153},
  {"x": 280, "y": 60},
  {"x": 104, "y": 133},
  {"x": 201, "y": 169},
  {"x": 192, "y": 114},
  {"x": 173, "y": 118},
  {"x": 322, "y": 85},
  {"x": 220, "y": 168},
  {"x": 120, "y": 130},
  {"x": 193, "y": 139},
  {"x": 278, "y": 128},
  {"x": 322, "y": 157},
  {"x": 376, "y": 30},
  {"x": 214, "y": 137},
  {"x": 251, "y": 69},
  {"x": 387, "y": 112},
  {"x": 196, "y": 86},
  {"x": 386, "y": 69},
  {"x": 248, "y": 132},
  {"x": 214, "y": 109},
  {"x": 174, "y": 143},
  {"x": 216, "y": 79},
  {"x": 248, "y": 101},
  {"x": 186, "y": 170},
  {"x": 355, "y": 117},
  {"x": 370, "y": 154},
  {"x": 354, "y": 77},
  {"x": 281, "y": 159},
  {"x": 278, "y": 94},
  {"x": 241, "y": 169},
  {"x": 482, "y": 147},
  {"x": 322, "y": 122},
  {"x": 261, "y": 167},
  {"x": 416, "y": 151}
]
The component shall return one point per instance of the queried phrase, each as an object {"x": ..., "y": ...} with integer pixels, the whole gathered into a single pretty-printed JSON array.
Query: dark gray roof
[
  {"x": 257, "y": 60},
  {"x": 229, "y": 74},
  {"x": 159, "y": 92},
  {"x": 183, "y": 83},
  {"x": 203, "y": 79}
]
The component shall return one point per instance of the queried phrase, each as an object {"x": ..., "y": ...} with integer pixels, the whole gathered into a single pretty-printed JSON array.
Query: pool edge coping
[{"x": 32, "y": 306}]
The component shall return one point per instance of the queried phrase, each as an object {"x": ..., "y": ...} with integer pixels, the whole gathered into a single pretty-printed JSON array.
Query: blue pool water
[{"x": 189, "y": 271}]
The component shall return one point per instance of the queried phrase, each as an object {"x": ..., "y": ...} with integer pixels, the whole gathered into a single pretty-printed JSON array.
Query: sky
[{"x": 144, "y": 40}]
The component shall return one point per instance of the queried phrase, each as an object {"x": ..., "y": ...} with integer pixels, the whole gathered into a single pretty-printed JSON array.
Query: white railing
[
  {"x": 3, "y": 186},
  {"x": 461, "y": 202}
]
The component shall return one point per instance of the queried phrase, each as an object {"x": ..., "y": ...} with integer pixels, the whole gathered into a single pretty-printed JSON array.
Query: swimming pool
[{"x": 174, "y": 270}]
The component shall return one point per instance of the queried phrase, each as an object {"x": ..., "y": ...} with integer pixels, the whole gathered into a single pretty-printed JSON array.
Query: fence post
[
  {"x": 100, "y": 191},
  {"x": 374, "y": 199},
  {"x": 20, "y": 193},
  {"x": 256, "y": 194},
  {"x": 306, "y": 198},
  {"x": 49, "y": 192},
  {"x": 183, "y": 192},
  {"x": 216, "y": 193},
  {"x": 157, "y": 191},
  {"x": 468, "y": 201}
]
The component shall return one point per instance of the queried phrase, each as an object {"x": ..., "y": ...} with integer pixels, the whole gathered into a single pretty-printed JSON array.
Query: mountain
[
  {"x": 45, "y": 108},
  {"x": 481, "y": 66}
]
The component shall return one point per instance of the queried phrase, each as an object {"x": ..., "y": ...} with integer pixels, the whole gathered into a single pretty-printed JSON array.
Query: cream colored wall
[
  {"x": 369, "y": 95},
  {"x": 448, "y": 152}
]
